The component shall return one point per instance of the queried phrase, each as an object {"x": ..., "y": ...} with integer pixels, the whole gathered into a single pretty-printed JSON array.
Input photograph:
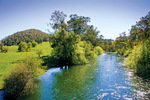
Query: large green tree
[
  {"x": 74, "y": 41},
  {"x": 57, "y": 18},
  {"x": 78, "y": 24}
]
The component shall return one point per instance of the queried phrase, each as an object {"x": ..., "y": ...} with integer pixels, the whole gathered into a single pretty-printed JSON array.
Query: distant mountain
[{"x": 26, "y": 36}]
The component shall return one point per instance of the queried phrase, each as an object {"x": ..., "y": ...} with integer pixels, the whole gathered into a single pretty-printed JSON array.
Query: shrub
[
  {"x": 29, "y": 46},
  {"x": 139, "y": 58},
  {"x": 34, "y": 44},
  {"x": 19, "y": 83},
  {"x": 5, "y": 49},
  {"x": 32, "y": 64},
  {"x": 98, "y": 50},
  {"x": 78, "y": 57},
  {"x": 1, "y": 47},
  {"x": 127, "y": 52},
  {"x": 22, "y": 47},
  {"x": 121, "y": 51}
]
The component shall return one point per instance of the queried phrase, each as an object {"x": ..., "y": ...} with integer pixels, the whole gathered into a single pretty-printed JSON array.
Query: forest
[
  {"x": 74, "y": 42},
  {"x": 25, "y": 36}
]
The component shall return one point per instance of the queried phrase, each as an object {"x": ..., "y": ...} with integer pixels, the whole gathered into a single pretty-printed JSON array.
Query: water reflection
[{"x": 105, "y": 78}]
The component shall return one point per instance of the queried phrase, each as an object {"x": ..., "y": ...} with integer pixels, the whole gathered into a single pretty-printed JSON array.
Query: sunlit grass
[{"x": 9, "y": 60}]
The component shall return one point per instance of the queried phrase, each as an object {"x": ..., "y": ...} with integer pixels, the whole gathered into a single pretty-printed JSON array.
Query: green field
[{"x": 9, "y": 60}]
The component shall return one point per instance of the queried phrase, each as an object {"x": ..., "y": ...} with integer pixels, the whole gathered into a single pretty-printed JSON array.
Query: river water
[{"x": 105, "y": 78}]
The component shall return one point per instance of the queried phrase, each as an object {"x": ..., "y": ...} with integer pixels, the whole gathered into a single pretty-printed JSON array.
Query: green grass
[{"x": 9, "y": 60}]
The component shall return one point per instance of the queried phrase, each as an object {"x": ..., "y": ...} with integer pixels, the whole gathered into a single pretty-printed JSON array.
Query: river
[{"x": 105, "y": 78}]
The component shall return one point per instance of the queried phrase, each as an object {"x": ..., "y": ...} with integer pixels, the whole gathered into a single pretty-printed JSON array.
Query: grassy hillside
[
  {"x": 26, "y": 36},
  {"x": 9, "y": 60}
]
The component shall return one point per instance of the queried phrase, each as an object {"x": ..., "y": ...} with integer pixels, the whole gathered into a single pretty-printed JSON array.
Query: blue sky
[{"x": 111, "y": 17}]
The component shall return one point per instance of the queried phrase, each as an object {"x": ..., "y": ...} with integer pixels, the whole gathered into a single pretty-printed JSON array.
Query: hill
[{"x": 26, "y": 36}]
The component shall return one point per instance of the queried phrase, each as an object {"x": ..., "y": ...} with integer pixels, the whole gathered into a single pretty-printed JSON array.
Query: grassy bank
[{"x": 9, "y": 60}]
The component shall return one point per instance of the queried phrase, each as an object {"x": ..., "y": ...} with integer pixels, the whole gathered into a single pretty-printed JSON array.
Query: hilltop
[{"x": 26, "y": 36}]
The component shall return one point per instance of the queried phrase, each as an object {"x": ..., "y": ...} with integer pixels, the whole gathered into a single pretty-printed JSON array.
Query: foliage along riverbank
[{"x": 136, "y": 47}]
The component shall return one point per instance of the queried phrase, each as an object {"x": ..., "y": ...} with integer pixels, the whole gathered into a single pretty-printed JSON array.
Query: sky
[{"x": 111, "y": 17}]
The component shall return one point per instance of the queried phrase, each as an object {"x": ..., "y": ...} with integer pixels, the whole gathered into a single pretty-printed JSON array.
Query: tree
[
  {"x": 57, "y": 18},
  {"x": 139, "y": 58},
  {"x": 5, "y": 49},
  {"x": 90, "y": 35},
  {"x": 98, "y": 50},
  {"x": 101, "y": 37},
  {"x": 140, "y": 31},
  {"x": 34, "y": 44},
  {"x": 22, "y": 47},
  {"x": 29, "y": 46},
  {"x": 1, "y": 47},
  {"x": 68, "y": 46},
  {"x": 77, "y": 23}
]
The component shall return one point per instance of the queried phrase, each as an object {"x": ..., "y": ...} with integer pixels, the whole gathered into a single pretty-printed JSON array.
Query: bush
[
  {"x": 19, "y": 83},
  {"x": 34, "y": 44},
  {"x": 98, "y": 50},
  {"x": 121, "y": 51},
  {"x": 29, "y": 46},
  {"x": 22, "y": 47},
  {"x": 32, "y": 64},
  {"x": 78, "y": 57},
  {"x": 129, "y": 51},
  {"x": 5, "y": 49},
  {"x": 139, "y": 59}
]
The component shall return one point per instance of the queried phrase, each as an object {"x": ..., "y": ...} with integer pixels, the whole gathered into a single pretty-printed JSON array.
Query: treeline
[
  {"x": 136, "y": 46},
  {"x": 74, "y": 41},
  {"x": 26, "y": 36}
]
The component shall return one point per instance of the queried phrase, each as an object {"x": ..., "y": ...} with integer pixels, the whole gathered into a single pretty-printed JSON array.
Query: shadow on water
[{"x": 48, "y": 61}]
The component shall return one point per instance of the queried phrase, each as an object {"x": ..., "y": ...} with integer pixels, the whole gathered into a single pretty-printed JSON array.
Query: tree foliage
[
  {"x": 139, "y": 59},
  {"x": 74, "y": 41},
  {"x": 21, "y": 81},
  {"x": 78, "y": 24},
  {"x": 3, "y": 48},
  {"x": 136, "y": 46},
  {"x": 22, "y": 47},
  {"x": 57, "y": 18},
  {"x": 26, "y": 47},
  {"x": 98, "y": 50},
  {"x": 34, "y": 44}
]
